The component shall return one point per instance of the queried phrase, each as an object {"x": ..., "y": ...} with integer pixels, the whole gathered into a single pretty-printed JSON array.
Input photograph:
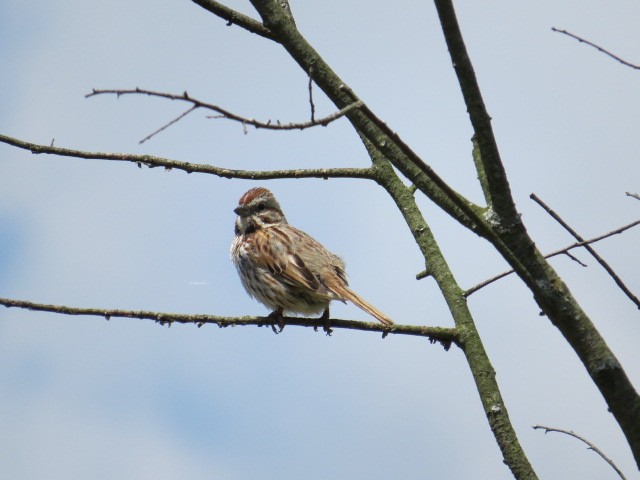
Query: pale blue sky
[{"x": 86, "y": 398}]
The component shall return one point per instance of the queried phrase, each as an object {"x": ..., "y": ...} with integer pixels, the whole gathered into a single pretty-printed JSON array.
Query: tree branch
[
  {"x": 562, "y": 251},
  {"x": 235, "y": 18},
  {"x": 633, "y": 195},
  {"x": 445, "y": 336},
  {"x": 584, "y": 440},
  {"x": 167, "y": 125},
  {"x": 589, "y": 249},
  {"x": 497, "y": 184},
  {"x": 152, "y": 161},
  {"x": 582, "y": 40},
  {"x": 366, "y": 122},
  {"x": 509, "y": 236},
  {"x": 230, "y": 115},
  {"x": 469, "y": 339}
]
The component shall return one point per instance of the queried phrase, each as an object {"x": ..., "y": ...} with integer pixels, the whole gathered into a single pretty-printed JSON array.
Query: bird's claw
[{"x": 277, "y": 321}]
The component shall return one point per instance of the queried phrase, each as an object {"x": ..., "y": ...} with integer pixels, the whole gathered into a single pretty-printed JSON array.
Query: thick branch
[
  {"x": 584, "y": 440},
  {"x": 224, "y": 113},
  {"x": 469, "y": 339},
  {"x": 589, "y": 249},
  {"x": 152, "y": 161},
  {"x": 373, "y": 128},
  {"x": 516, "y": 246},
  {"x": 235, "y": 18},
  {"x": 446, "y": 336},
  {"x": 497, "y": 185}
]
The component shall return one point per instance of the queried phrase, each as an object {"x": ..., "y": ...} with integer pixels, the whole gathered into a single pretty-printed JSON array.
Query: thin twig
[
  {"x": 576, "y": 259},
  {"x": 446, "y": 336},
  {"x": 164, "y": 127},
  {"x": 593, "y": 253},
  {"x": 584, "y": 440},
  {"x": 634, "y": 195},
  {"x": 582, "y": 40},
  {"x": 229, "y": 115},
  {"x": 562, "y": 251},
  {"x": 311, "y": 104},
  {"x": 152, "y": 161}
]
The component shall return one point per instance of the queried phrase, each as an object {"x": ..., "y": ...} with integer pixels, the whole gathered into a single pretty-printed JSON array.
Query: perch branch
[
  {"x": 223, "y": 113},
  {"x": 445, "y": 336},
  {"x": 600, "y": 49},
  {"x": 562, "y": 251},
  {"x": 593, "y": 253},
  {"x": 152, "y": 161},
  {"x": 590, "y": 445}
]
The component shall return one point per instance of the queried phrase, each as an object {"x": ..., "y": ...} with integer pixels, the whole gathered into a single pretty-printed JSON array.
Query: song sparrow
[{"x": 283, "y": 267}]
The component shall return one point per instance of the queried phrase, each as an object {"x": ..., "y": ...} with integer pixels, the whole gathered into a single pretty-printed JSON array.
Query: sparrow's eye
[{"x": 261, "y": 206}]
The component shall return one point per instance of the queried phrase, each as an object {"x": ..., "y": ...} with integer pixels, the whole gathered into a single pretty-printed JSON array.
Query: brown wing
[
  {"x": 300, "y": 260},
  {"x": 274, "y": 250}
]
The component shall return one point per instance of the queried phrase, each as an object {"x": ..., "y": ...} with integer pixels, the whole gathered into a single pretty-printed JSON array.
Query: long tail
[{"x": 366, "y": 306}]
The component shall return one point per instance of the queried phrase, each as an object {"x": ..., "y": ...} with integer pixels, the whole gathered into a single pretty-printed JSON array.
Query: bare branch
[
  {"x": 593, "y": 253},
  {"x": 634, "y": 195},
  {"x": 235, "y": 18},
  {"x": 167, "y": 125},
  {"x": 229, "y": 115},
  {"x": 562, "y": 251},
  {"x": 496, "y": 184},
  {"x": 152, "y": 161},
  {"x": 311, "y": 104},
  {"x": 576, "y": 259},
  {"x": 584, "y": 440},
  {"x": 366, "y": 122},
  {"x": 446, "y": 336},
  {"x": 582, "y": 40}
]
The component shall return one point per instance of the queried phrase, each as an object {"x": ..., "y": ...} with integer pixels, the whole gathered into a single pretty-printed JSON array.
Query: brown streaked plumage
[{"x": 283, "y": 267}]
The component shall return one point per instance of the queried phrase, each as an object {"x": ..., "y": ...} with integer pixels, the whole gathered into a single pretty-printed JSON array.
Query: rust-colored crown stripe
[{"x": 248, "y": 197}]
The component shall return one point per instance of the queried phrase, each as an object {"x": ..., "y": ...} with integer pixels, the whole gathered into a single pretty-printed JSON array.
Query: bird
[{"x": 286, "y": 269}]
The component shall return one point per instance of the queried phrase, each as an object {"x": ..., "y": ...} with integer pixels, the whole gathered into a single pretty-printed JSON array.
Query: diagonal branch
[
  {"x": 589, "y": 249},
  {"x": 469, "y": 339},
  {"x": 167, "y": 125},
  {"x": 235, "y": 18},
  {"x": 562, "y": 251},
  {"x": 153, "y": 161},
  {"x": 633, "y": 195},
  {"x": 600, "y": 49},
  {"x": 366, "y": 122},
  {"x": 584, "y": 440},
  {"x": 224, "y": 113},
  {"x": 446, "y": 336},
  {"x": 497, "y": 185}
]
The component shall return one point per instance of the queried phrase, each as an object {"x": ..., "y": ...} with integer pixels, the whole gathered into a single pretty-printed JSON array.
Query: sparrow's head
[{"x": 257, "y": 208}]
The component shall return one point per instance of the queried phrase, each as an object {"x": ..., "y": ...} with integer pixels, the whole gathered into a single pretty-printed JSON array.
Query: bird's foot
[
  {"x": 326, "y": 322},
  {"x": 277, "y": 318}
]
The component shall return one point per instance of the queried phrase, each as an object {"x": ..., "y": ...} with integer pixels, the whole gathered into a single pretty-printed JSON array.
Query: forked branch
[
  {"x": 224, "y": 113},
  {"x": 589, "y": 249},
  {"x": 562, "y": 251}
]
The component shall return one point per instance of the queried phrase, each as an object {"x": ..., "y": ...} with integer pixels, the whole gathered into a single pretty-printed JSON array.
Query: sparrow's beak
[{"x": 241, "y": 211}]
